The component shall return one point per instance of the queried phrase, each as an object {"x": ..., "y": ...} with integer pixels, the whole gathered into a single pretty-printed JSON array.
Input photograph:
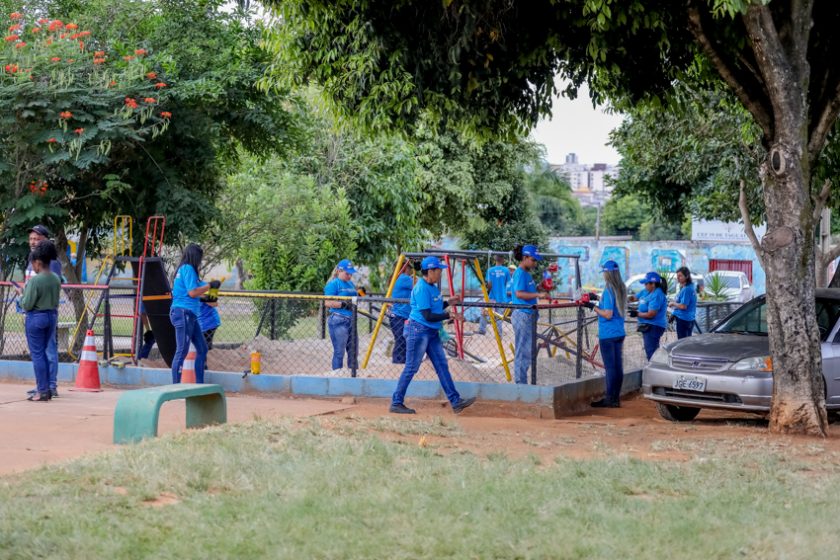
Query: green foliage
[
  {"x": 558, "y": 211},
  {"x": 631, "y": 215},
  {"x": 716, "y": 287}
]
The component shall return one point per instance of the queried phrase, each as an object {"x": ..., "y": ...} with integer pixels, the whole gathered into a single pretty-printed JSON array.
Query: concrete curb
[{"x": 557, "y": 401}]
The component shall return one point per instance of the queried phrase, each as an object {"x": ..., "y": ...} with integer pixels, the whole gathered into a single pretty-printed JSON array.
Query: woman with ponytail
[{"x": 611, "y": 333}]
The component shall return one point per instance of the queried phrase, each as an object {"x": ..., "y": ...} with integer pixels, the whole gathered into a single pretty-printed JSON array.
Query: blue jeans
[
  {"x": 340, "y": 327},
  {"x": 523, "y": 341},
  {"x": 482, "y": 323},
  {"x": 611, "y": 354},
  {"x": 684, "y": 327},
  {"x": 398, "y": 328},
  {"x": 651, "y": 339},
  {"x": 52, "y": 357},
  {"x": 187, "y": 330},
  {"x": 40, "y": 327},
  {"x": 420, "y": 340}
]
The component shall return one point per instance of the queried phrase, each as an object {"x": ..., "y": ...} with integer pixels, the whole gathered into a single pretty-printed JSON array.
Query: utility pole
[{"x": 598, "y": 222}]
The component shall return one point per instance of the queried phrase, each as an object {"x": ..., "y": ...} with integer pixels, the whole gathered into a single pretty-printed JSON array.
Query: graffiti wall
[{"x": 638, "y": 257}]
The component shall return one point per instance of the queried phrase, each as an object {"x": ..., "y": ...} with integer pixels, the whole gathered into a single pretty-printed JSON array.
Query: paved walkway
[{"x": 34, "y": 433}]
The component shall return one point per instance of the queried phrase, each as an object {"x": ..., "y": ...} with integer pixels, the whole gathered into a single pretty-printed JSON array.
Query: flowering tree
[{"x": 70, "y": 107}]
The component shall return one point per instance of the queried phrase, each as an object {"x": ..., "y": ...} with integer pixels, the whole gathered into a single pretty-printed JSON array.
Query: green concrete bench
[{"x": 137, "y": 412}]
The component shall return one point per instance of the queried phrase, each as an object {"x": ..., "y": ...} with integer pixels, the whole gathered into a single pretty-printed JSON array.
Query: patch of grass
[{"x": 298, "y": 489}]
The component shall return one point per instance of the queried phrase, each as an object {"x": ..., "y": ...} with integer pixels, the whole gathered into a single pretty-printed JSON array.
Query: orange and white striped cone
[
  {"x": 188, "y": 369},
  {"x": 87, "y": 378}
]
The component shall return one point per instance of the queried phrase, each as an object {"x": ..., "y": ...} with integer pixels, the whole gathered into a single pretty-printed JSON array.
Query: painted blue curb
[{"x": 563, "y": 399}]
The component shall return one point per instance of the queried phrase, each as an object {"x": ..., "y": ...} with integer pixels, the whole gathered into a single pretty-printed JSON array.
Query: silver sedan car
[{"x": 730, "y": 368}]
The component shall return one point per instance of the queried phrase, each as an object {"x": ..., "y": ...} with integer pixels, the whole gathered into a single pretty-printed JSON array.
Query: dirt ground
[{"x": 32, "y": 434}]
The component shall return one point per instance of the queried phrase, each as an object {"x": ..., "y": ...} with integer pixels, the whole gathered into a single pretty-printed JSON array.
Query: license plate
[{"x": 690, "y": 383}]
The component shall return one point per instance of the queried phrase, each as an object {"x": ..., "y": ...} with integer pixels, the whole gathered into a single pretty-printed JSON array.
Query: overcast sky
[{"x": 577, "y": 127}]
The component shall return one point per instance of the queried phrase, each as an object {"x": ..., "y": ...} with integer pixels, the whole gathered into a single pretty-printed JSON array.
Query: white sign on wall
[{"x": 716, "y": 230}]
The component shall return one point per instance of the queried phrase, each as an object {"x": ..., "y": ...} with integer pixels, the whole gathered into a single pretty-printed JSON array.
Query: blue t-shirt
[
  {"x": 402, "y": 290},
  {"x": 522, "y": 282},
  {"x": 425, "y": 296},
  {"x": 687, "y": 297},
  {"x": 339, "y": 287},
  {"x": 208, "y": 317},
  {"x": 498, "y": 277},
  {"x": 186, "y": 279},
  {"x": 612, "y": 328},
  {"x": 654, "y": 301}
]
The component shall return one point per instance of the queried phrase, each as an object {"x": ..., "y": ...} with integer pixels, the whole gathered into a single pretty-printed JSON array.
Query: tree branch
[
  {"x": 821, "y": 200},
  {"x": 734, "y": 77},
  {"x": 825, "y": 123},
  {"x": 828, "y": 257},
  {"x": 748, "y": 228}
]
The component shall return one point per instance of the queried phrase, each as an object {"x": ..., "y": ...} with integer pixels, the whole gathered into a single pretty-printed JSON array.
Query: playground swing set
[{"x": 553, "y": 336}]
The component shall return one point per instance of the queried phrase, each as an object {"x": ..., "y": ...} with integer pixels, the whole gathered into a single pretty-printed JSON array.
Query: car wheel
[{"x": 676, "y": 413}]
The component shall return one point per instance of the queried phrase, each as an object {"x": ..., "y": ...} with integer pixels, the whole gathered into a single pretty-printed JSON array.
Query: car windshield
[
  {"x": 752, "y": 318},
  {"x": 727, "y": 281}
]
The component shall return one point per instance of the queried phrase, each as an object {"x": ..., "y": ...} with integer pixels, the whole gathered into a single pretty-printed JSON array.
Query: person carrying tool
[
  {"x": 651, "y": 313},
  {"x": 611, "y": 333},
  {"x": 400, "y": 312},
  {"x": 497, "y": 279},
  {"x": 187, "y": 290},
  {"x": 341, "y": 314},
  {"x": 423, "y": 337},
  {"x": 524, "y": 291}
]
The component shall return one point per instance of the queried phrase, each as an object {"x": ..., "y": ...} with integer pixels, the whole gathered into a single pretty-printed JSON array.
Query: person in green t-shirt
[{"x": 40, "y": 301}]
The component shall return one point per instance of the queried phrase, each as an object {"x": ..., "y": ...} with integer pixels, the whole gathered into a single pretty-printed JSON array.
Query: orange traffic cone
[
  {"x": 87, "y": 378},
  {"x": 188, "y": 369}
]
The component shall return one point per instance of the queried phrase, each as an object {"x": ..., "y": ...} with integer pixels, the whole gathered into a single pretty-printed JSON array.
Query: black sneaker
[
  {"x": 31, "y": 391},
  {"x": 53, "y": 393},
  {"x": 401, "y": 409},
  {"x": 605, "y": 403},
  {"x": 462, "y": 404}
]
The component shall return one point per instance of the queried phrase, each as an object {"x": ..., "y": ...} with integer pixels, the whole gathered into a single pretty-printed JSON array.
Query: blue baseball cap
[
  {"x": 651, "y": 277},
  {"x": 347, "y": 266},
  {"x": 431, "y": 263},
  {"x": 531, "y": 251},
  {"x": 609, "y": 266}
]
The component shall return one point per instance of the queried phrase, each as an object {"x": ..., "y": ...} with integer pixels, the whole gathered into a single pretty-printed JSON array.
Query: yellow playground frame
[{"x": 467, "y": 258}]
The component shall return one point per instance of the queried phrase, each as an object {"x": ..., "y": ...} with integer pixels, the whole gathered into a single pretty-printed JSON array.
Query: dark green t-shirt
[{"x": 41, "y": 292}]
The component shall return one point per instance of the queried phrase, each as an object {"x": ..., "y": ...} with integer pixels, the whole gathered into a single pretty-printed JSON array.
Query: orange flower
[
  {"x": 10, "y": 38},
  {"x": 63, "y": 36},
  {"x": 150, "y": 100},
  {"x": 71, "y": 60},
  {"x": 15, "y": 27},
  {"x": 20, "y": 45},
  {"x": 71, "y": 26},
  {"x": 36, "y": 30},
  {"x": 113, "y": 83},
  {"x": 84, "y": 33},
  {"x": 166, "y": 114},
  {"x": 140, "y": 52},
  {"x": 99, "y": 54},
  {"x": 79, "y": 131},
  {"x": 52, "y": 141},
  {"x": 128, "y": 58},
  {"x": 55, "y": 25},
  {"x": 160, "y": 85},
  {"x": 65, "y": 115},
  {"x": 74, "y": 36},
  {"x": 11, "y": 68},
  {"x": 130, "y": 102},
  {"x": 55, "y": 59},
  {"x": 15, "y": 15},
  {"x": 42, "y": 21},
  {"x": 81, "y": 45},
  {"x": 98, "y": 60},
  {"x": 151, "y": 75}
]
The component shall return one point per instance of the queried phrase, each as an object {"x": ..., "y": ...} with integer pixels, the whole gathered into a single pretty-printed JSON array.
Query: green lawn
[{"x": 296, "y": 489}]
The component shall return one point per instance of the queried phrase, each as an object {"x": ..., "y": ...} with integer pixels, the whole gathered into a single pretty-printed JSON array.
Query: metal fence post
[
  {"x": 370, "y": 317},
  {"x": 354, "y": 342},
  {"x": 322, "y": 313},
  {"x": 534, "y": 317},
  {"x": 108, "y": 341},
  {"x": 579, "y": 355}
]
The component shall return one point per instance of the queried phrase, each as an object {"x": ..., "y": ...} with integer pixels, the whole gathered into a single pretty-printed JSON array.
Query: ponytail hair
[
  {"x": 517, "y": 253},
  {"x": 663, "y": 286},
  {"x": 334, "y": 275}
]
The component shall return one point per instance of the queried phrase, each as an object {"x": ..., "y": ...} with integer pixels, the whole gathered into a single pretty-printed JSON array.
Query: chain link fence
[{"x": 292, "y": 334}]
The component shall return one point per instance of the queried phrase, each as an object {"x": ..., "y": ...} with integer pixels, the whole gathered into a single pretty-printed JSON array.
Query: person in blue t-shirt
[
  {"x": 400, "y": 312},
  {"x": 209, "y": 319},
  {"x": 497, "y": 279},
  {"x": 523, "y": 291},
  {"x": 685, "y": 308},
  {"x": 187, "y": 288},
  {"x": 653, "y": 305},
  {"x": 422, "y": 337},
  {"x": 611, "y": 333},
  {"x": 341, "y": 314}
]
